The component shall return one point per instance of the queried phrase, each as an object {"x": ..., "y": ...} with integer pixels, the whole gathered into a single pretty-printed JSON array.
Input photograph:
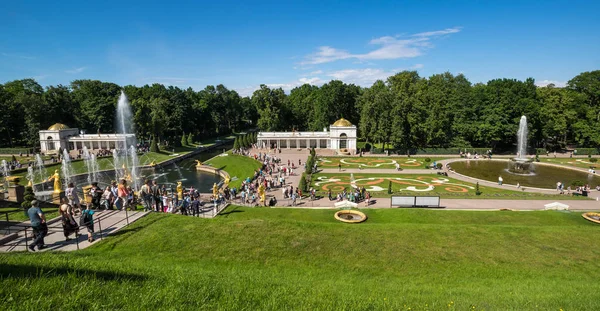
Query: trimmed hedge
[
  {"x": 14, "y": 151},
  {"x": 586, "y": 151}
]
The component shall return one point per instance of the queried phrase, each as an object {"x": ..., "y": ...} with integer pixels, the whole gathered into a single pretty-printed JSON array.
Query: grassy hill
[{"x": 283, "y": 259}]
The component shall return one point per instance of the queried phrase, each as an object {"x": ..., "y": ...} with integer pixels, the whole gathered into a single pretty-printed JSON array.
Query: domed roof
[
  {"x": 58, "y": 127},
  {"x": 342, "y": 122}
]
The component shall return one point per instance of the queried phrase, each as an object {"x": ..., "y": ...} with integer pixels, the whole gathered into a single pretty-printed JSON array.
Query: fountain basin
[
  {"x": 522, "y": 166},
  {"x": 546, "y": 176},
  {"x": 593, "y": 217},
  {"x": 350, "y": 216}
]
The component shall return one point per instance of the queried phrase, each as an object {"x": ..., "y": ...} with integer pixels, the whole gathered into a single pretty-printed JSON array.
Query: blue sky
[{"x": 243, "y": 44}]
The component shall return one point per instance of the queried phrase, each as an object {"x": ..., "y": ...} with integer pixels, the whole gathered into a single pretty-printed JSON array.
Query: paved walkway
[
  {"x": 465, "y": 204},
  {"x": 109, "y": 221}
]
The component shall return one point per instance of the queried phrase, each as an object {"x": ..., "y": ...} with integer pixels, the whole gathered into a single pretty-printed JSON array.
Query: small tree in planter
[
  {"x": 477, "y": 192},
  {"x": 390, "y": 187}
]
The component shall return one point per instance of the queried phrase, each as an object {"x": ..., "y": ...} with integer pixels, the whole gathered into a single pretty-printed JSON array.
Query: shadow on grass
[
  {"x": 234, "y": 210},
  {"x": 33, "y": 271}
]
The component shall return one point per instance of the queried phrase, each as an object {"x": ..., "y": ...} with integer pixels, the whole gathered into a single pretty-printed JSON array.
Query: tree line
[
  {"x": 406, "y": 111},
  {"x": 158, "y": 111}
]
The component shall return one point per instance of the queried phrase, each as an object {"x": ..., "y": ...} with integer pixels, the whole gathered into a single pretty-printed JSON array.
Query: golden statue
[
  {"x": 57, "y": 184},
  {"x": 179, "y": 191},
  {"x": 198, "y": 163},
  {"x": 152, "y": 163},
  {"x": 30, "y": 184},
  {"x": 226, "y": 182},
  {"x": 215, "y": 190},
  {"x": 126, "y": 174},
  {"x": 261, "y": 192}
]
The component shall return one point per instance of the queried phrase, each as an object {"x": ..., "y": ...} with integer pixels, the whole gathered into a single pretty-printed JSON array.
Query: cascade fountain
[
  {"x": 521, "y": 164},
  {"x": 134, "y": 165},
  {"x": 67, "y": 169}
]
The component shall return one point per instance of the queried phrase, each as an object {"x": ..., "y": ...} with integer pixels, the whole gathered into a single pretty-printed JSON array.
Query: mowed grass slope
[
  {"x": 292, "y": 259},
  {"x": 235, "y": 165}
]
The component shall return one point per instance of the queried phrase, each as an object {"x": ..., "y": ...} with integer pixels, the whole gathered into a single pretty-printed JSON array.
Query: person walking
[
  {"x": 87, "y": 220},
  {"x": 146, "y": 196},
  {"x": 339, "y": 167},
  {"x": 38, "y": 224},
  {"x": 73, "y": 197},
  {"x": 122, "y": 194},
  {"x": 500, "y": 180},
  {"x": 156, "y": 196},
  {"x": 96, "y": 194},
  {"x": 68, "y": 222}
]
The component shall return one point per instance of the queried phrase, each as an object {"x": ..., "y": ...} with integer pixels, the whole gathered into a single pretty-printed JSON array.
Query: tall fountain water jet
[
  {"x": 39, "y": 169},
  {"x": 522, "y": 139},
  {"x": 117, "y": 164},
  {"x": 67, "y": 170},
  {"x": 5, "y": 173},
  {"x": 30, "y": 175},
  {"x": 91, "y": 165},
  {"x": 521, "y": 164},
  {"x": 125, "y": 126},
  {"x": 134, "y": 163}
]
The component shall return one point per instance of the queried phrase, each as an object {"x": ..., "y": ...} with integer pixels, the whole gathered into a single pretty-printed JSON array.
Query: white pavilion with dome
[
  {"x": 61, "y": 136},
  {"x": 341, "y": 135}
]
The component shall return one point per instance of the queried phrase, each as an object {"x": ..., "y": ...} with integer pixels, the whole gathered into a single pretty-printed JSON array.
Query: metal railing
[{"x": 27, "y": 230}]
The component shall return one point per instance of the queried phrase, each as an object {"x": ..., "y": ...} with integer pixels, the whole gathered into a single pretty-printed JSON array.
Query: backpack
[{"x": 85, "y": 218}]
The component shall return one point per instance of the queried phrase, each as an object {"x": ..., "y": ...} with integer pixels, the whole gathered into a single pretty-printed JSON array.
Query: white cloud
[
  {"x": 446, "y": 31},
  {"x": 317, "y": 72},
  {"x": 546, "y": 82},
  {"x": 417, "y": 66},
  {"x": 390, "y": 48},
  {"x": 76, "y": 70},
  {"x": 17, "y": 56}
]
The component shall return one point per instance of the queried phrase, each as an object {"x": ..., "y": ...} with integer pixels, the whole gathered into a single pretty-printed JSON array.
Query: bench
[{"x": 415, "y": 201}]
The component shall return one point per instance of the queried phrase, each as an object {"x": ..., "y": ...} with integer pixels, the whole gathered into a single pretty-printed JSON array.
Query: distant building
[
  {"x": 61, "y": 136},
  {"x": 341, "y": 135}
]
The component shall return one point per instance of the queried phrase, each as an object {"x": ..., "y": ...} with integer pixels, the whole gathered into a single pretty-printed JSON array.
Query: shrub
[
  {"x": 183, "y": 140},
  {"x": 27, "y": 198},
  {"x": 236, "y": 144},
  {"x": 427, "y": 160},
  {"x": 368, "y": 147},
  {"x": 154, "y": 145},
  {"x": 593, "y": 160},
  {"x": 390, "y": 187},
  {"x": 377, "y": 151},
  {"x": 577, "y": 183},
  {"x": 302, "y": 183},
  {"x": 190, "y": 139},
  {"x": 439, "y": 166},
  {"x": 477, "y": 192}
]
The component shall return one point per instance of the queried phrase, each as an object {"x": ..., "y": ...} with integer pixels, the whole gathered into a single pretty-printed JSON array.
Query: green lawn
[
  {"x": 236, "y": 166},
  {"x": 17, "y": 214},
  {"x": 376, "y": 162},
  {"x": 299, "y": 259},
  {"x": 424, "y": 184},
  {"x": 574, "y": 162}
]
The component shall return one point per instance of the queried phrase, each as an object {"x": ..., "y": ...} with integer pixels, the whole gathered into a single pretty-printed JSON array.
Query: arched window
[
  {"x": 50, "y": 144},
  {"x": 343, "y": 141}
]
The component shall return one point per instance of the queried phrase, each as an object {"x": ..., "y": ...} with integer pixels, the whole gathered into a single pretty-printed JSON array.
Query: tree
[
  {"x": 269, "y": 104},
  {"x": 190, "y": 139},
  {"x": 183, "y": 140},
  {"x": 236, "y": 143},
  {"x": 27, "y": 198},
  {"x": 154, "y": 145}
]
